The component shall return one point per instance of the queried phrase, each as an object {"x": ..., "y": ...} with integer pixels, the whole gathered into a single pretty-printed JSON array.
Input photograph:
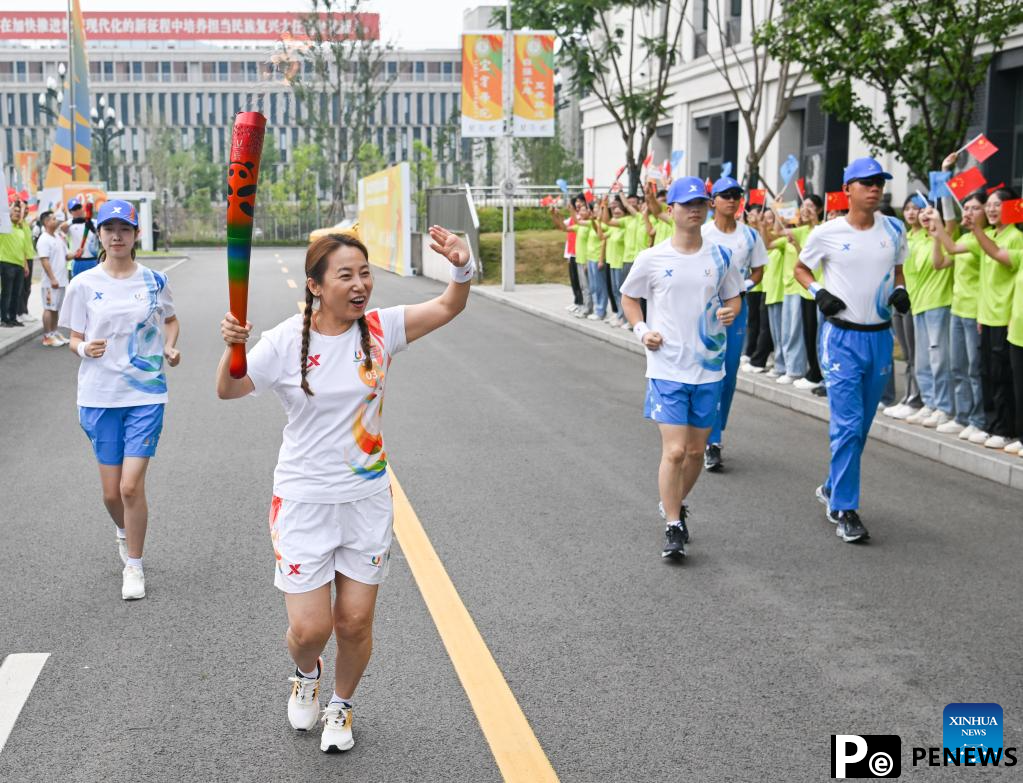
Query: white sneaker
[
  {"x": 968, "y": 432},
  {"x": 593, "y": 317},
  {"x": 936, "y": 419},
  {"x": 122, "y": 550},
  {"x": 303, "y": 703},
  {"x": 804, "y": 384},
  {"x": 571, "y": 307},
  {"x": 773, "y": 373},
  {"x": 337, "y": 729},
  {"x": 744, "y": 359},
  {"x": 133, "y": 583},
  {"x": 979, "y": 437},
  {"x": 60, "y": 338},
  {"x": 891, "y": 409},
  {"x": 952, "y": 427},
  {"x": 920, "y": 416},
  {"x": 903, "y": 412},
  {"x": 580, "y": 313},
  {"x": 785, "y": 380},
  {"x": 996, "y": 442},
  {"x": 27, "y": 318},
  {"x": 1013, "y": 448},
  {"x": 753, "y": 369}
]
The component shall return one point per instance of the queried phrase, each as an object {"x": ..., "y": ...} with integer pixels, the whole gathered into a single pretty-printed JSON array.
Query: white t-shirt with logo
[
  {"x": 129, "y": 314},
  {"x": 53, "y": 249},
  {"x": 76, "y": 232},
  {"x": 859, "y": 266},
  {"x": 333, "y": 447},
  {"x": 748, "y": 249},
  {"x": 683, "y": 293}
]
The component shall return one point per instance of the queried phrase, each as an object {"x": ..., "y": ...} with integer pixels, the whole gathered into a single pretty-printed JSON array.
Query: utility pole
[
  {"x": 508, "y": 185},
  {"x": 71, "y": 81}
]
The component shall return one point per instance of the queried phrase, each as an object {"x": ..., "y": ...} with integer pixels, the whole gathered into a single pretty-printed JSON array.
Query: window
[
  {"x": 152, "y": 71},
  {"x": 174, "y": 110},
  {"x": 124, "y": 107},
  {"x": 136, "y": 70},
  {"x": 188, "y": 110},
  {"x": 447, "y": 71},
  {"x": 165, "y": 71},
  {"x": 419, "y": 107},
  {"x": 392, "y": 68},
  {"x": 408, "y": 108},
  {"x": 420, "y": 71},
  {"x": 443, "y": 107},
  {"x": 273, "y": 108},
  {"x": 108, "y": 71},
  {"x": 137, "y": 101},
  {"x": 20, "y": 69},
  {"x": 222, "y": 71},
  {"x": 394, "y": 108},
  {"x": 433, "y": 71},
  {"x": 431, "y": 98}
]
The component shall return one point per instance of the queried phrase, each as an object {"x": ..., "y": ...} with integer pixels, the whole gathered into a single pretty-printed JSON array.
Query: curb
[
  {"x": 1001, "y": 469},
  {"x": 28, "y": 335}
]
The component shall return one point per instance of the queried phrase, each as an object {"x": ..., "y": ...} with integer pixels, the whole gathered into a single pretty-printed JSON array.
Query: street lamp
[
  {"x": 105, "y": 128},
  {"x": 54, "y": 94}
]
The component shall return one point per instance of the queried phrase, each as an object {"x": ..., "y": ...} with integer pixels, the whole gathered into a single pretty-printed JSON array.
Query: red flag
[
  {"x": 667, "y": 169},
  {"x": 589, "y": 182},
  {"x": 801, "y": 187},
  {"x": 965, "y": 183},
  {"x": 999, "y": 186},
  {"x": 708, "y": 184},
  {"x": 618, "y": 174},
  {"x": 546, "y": 201},
  {"x": 648, "y": 160},
  {"x": 1012, "y": 211},
  {"x": 588, "y": 195},
  {"x": 757, "y": 196},
  {"x": 742, "y": 206},
  {"x": 981, "y": 148},
  {"x": 837, "y": 201}
]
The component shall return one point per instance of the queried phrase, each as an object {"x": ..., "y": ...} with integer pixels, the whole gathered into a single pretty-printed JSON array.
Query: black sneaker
[
  {"x": 675, "y": 541},
  {"x": 16, "y": 322},
  {"x": 820, "y": 391},
  {"x": 712, "y": 458},
  {"x": 850, "y": 529},
  {"x": 683, "y": 514}
]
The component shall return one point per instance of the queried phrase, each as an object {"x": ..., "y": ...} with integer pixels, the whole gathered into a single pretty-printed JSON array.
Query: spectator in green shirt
[{"x": 15, "y": 250}]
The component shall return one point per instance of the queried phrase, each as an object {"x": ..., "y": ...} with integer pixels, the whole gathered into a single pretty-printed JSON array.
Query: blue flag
[
  {"x": 789, "y": 169},
  {"x": 562, "y": 186},
  {"x": 938, "y": 187},
  {"x": 676, "y": 160},
  {"x": 726, "y": 169},
  {"x": 919, "y": 201}
]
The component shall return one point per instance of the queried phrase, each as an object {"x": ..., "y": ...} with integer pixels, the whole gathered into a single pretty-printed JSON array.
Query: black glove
[
  {"x": 828, "y": 303},
  {"x": 899, "y": 300}
]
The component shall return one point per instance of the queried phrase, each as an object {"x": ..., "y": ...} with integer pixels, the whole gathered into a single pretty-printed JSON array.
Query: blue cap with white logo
[
  {"x": 74, "y": 204},
  {"x": 118, "y": 210},
  {"x": 864, "y": 168},
  {"x": 687, "y": 189},
  {"x": 725, "y": 184}
]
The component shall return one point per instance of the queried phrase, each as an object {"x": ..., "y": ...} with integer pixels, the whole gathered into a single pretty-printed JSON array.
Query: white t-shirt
[
  {"x": 748, "y": 250},
  {"x": 333, "y": 446},
  {"x": 75, "y": 233},
  {"x": 129, "y": 314},
  {"x": 859, "y": 266},
  {"x": 52, "y": 248},
  {"x": 683, "y": 293}
]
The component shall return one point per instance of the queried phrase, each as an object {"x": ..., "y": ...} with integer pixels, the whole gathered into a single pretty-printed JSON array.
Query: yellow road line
[
  {"x": 291, "y": 283},
  {"x": 284, "y": 269},
  {"x": 515, "y": 747}
]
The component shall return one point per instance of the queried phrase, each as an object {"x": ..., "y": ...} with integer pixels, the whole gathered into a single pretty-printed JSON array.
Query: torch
[{"x": 242, "y": 175}]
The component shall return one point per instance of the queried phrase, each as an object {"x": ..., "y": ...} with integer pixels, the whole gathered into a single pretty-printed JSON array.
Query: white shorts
[
  {"x": 313, "y": 541},
  {"x": 52, "y": 298}
]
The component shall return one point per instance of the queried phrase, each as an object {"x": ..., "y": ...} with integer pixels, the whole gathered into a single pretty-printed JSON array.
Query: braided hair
[{"x": 315, "y": 268}]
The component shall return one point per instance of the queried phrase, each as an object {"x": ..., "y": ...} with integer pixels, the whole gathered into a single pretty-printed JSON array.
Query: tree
[
  {"x": 370, "y": 159},
  {"x": 204, "y": 174},
  {"x": 170, "y": 165},
  {"x": 338, "y": 78},
  {"x": 746, "y": 68},
  {"x": 926, "y": 59},
  {"x": 625, "y": 68},
  {"x": 543, "y": 160},
  {"x": 424, "y": 176}
]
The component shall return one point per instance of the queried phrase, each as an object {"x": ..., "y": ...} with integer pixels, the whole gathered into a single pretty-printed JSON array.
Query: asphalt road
[{"x": 522, "y": 448}]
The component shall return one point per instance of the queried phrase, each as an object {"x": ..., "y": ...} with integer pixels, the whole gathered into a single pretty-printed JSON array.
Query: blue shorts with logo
[
  {"x": 117, "y": 433},
  {"x": 80, "y": 265},
  {"x": 691, "y": 404}
]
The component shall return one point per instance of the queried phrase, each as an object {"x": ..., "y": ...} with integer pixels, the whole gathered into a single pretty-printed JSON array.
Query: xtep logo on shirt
[
  {"x": 667, "y": 272},
  {"x": 846, "y": 246},
  {"x": 294, "y": 569},
  {"x": 97, "y": 295},
  {"x": 314, "y": 361}
]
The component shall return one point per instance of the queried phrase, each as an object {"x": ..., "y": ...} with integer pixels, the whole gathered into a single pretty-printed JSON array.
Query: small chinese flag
[
  {"x": 801, "y": 187},
  {"x": 965, "y": 183},
  {"x": 1012, "y": 211},
  {"x": 588, "y": 195},
  {"x": 589, "y": 182},
  {"x": 837, "y": 201},
  {"x": 708, "y": 184},
  {"x": 648, "y": 160},
  {"x": 999, "y": 186},
  {"x": 981, "y": 148},
  {"x": 757, "y": 196},
  {"x": 667, "y": 169}
]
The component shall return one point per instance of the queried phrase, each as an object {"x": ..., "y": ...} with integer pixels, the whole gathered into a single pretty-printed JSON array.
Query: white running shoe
[
  {"x": 951, "y": 427},
  {"x": 979, "y": 437},
  {"x": 1013, "y": 448},
  {"x": 773, "y": 373},
  {"x": 753, "y": 369},
  {"x": 27, "y": 318},
  {"x": 785, "y": 380},
  {"x": 996, "y": 442},
  {"x": 903, "y": 412},
  {"x": 805, "y": 385},
  {"x": 744, "y": 359},
  {"x": 61, "y": 338},
  {"x": 122, "y": 550},
  {"x": 890, "y": 410},
  {"x": 571, "y": 307},
  {"x": 968, "y": 432},
  {"x": 337, "y": 729},
  {"x": 936, "y": 419},
  {"x": 304, "y": 703},
  {"x": 920, "y": 416},
  {"x": 133, "y": 583},
  {"x": 594, "y": 317}
]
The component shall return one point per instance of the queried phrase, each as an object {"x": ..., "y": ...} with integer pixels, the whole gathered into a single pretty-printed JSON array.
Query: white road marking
[
  {"x": 284, "y": 269},
  {"x": 175, "y": 265},
  {"x": 18, "y": 674},
  {"x": 292, "y": 283}
]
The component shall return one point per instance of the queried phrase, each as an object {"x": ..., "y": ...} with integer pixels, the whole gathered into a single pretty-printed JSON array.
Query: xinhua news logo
[
  {"x": 866, "y": 756},
  {"x": 972, "y": 736}
]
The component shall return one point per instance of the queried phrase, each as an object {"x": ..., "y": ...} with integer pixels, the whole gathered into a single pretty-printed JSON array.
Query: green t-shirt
[
  {"x": 1016, "y": 317},
  {"x": 966, "y": 277},
  {"x": 17, "y": 246},
  {"x": 663, "y": 230},
  {"x": 630, "y": 247},
  {"x": 932, "y": 288},
  {"x": 997, "y": 280},
  {"x": 582, "y": 238},
  {"x": 593, "y": 242},
  {"x": 614, "y": 252},
  {"x": 793, "y": 286},
  {"x": 774, "y": 272}
]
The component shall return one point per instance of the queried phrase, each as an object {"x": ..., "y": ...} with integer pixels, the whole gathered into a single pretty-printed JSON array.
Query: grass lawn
[{"x": 539, "y": 257}]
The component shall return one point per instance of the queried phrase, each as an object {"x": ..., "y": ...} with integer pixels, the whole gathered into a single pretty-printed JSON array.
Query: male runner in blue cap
[{"x": 861, "y": 255}]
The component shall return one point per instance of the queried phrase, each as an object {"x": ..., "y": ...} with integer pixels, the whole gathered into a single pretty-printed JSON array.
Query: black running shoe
[
  {"x": 712, "y": 458},
  {"x": 675, "y": 541},
  {"x": 820, "y": 391},
  {"x": 850, "y": 529},
  {"x": 683, "y": 514}
]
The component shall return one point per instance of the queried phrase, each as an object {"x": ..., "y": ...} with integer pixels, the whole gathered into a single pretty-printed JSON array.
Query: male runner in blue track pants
[
  {"x": 749, "y": 255},
  {"x": 861, "y": 255}
]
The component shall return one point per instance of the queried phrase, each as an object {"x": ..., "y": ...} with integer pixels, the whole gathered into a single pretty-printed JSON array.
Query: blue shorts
[
  {"x": 80, "y": 265},
  {"x": 691, "y": 404},
  {"x": 117, "y": 433}
]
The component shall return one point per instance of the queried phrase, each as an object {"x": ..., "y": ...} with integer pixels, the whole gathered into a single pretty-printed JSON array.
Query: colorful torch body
[{"x": 242, "y": 177}]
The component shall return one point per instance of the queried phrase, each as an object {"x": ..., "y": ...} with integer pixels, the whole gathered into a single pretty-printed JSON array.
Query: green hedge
[{"x": 526, "y": 219}]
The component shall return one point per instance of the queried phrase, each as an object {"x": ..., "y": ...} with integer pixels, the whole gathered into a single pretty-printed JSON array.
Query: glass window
[
  {"x": 108, "y": 71},
  {"x": 431, "y": 98},
  {"x": 444, "y": 107},
  {"x": 136, "y": 70},
  {"x": 222, "y": 71},
  {"x": 188, "y": 110},
  {"x": 137, "y": 101},
  {"x": 392, "y": 68},
  {"x": 408, "y": 108},
  {"x": 420, "y": 71},
  {"x": 21, "y": 69},
  {"x": 447, "y": 71},
  {"x": 394, "y": 108},
  {"x": 165, "y": 71},
  {"x": 174, "y": 110},
  {"x": 419, "y": 107}
]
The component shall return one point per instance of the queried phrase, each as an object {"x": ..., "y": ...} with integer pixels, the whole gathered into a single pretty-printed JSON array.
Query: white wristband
[
  {"x": 814, "y": 288},
  {"x": 748, "y": 284},
  {"x": 463, "y": 274},
  {"x": 81, "y": 349},
  {"x": 640, "y": 329}
]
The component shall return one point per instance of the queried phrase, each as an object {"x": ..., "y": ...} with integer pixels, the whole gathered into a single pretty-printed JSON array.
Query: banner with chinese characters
[
  {"x": 163, "y": 25},
  {"x": 385, "y": 218},
  {"x": 534, "y": 84},
  {"x": 482, "y": 84}
]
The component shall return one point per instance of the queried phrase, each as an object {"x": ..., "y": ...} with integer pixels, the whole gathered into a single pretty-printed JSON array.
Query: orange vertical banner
[
  {"x": 482, "y": 84},
  {"x": 534, "y": 84}
]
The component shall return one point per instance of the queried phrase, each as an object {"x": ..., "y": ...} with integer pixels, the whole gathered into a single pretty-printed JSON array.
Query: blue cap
[
  {"x": 725, "y": 183},
  {"x": 74, "y": 203},
  {"x": 687, "y": 189},
  {"x": 863, "y": 168},
  {"x": 117, "y": 210}
]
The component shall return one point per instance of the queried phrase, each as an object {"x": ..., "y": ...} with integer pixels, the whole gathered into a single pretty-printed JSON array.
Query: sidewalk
[{"x": 549, "y": 300}]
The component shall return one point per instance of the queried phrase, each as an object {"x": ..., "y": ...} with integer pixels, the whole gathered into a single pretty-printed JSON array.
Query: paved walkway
[{"x": 549, "y": 301}]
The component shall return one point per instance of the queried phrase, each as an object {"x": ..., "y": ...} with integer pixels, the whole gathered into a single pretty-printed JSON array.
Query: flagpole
[{"x": 71, "y": 82}]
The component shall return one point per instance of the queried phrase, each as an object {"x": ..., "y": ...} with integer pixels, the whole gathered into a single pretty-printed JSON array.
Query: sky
[{"x": 411, "y": 24}]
